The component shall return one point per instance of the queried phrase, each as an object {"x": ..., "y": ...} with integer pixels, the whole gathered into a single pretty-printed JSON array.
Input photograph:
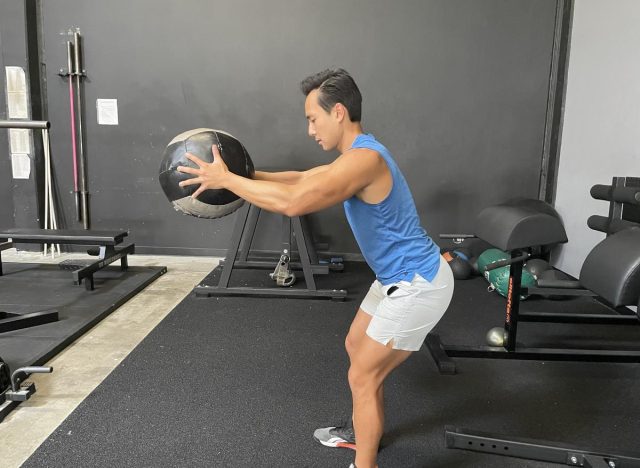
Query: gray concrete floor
[{"x": 89, "y": 360}]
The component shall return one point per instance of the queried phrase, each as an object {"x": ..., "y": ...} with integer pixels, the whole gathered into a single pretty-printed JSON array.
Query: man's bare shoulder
[{"x": 359, "y": 156}]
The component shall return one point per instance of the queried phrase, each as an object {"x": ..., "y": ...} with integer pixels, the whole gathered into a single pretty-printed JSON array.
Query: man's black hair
[{"x": 335, "y": 86}]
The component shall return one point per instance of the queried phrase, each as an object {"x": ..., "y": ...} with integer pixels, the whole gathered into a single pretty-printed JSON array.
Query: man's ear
[{"x": 341, "y": 111}]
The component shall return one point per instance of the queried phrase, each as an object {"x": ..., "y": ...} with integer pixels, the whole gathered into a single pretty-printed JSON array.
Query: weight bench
[
  {"x": 610, "y": 274},
  {"x": 105, "y": 240}
]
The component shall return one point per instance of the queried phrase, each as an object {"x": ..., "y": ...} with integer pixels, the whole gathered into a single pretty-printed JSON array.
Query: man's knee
[
  {"x": 350, "y": 344},
  {"x": 363, "y": 377},
  {"x": 353, "y": 340},
  {"x": 363, "y": 382}
]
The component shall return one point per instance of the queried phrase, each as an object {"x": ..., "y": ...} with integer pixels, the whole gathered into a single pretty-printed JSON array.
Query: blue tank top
[{"x": 389, "y": 233}]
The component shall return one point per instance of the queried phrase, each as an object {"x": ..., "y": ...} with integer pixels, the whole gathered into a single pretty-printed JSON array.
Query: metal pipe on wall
[
  {"x": 72, "y": 112},
  {"x": 27, "y": 124},
  {"x": 79, "y": 73}
]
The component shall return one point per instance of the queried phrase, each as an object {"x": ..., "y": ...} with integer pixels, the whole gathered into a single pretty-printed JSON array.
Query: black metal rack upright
[{"x": 238, "y": 258}]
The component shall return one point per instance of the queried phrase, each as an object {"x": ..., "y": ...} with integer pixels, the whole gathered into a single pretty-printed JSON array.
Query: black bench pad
[{"x": 63, "y": 236}]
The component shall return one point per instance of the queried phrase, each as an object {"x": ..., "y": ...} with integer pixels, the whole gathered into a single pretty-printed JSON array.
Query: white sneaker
[{"x": 341, "y": 436}]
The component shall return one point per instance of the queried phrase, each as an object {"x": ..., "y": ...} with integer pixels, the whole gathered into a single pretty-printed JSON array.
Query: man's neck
[{"x": 350, "y": 134}]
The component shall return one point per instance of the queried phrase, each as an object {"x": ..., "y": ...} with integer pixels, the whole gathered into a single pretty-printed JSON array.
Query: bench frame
[{"x": 108, "y": 252}]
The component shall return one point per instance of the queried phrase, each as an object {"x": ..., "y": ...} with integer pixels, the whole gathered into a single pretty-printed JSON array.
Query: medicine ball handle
[
  {"x": 508, "y": 261},
  {"x": 20, "y": 374}
]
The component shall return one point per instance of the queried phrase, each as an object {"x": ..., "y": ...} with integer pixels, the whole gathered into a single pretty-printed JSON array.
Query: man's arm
[
  {"x": 285, "y": 177},
  {"x": 320, "y": 188},
  {"x": 317, "y": 189},
  {"x": 288, "y": 177}
]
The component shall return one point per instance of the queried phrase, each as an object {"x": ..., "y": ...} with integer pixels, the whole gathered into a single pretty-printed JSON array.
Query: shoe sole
[{"x": 337, "y": 444}]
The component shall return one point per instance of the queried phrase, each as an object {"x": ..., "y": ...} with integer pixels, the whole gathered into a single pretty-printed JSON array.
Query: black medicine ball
[{"x": 210, "y": 203}]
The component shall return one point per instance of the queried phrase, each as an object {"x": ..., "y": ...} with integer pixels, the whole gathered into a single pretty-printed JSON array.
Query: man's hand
[{"x": 208, "y": 175}]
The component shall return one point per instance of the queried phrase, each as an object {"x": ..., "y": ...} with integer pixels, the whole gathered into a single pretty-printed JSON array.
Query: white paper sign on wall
[{"x": 107, "y": 111}]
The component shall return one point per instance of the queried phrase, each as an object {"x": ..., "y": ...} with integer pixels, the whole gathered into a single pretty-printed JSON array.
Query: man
[{"x": 413, "y": 285}]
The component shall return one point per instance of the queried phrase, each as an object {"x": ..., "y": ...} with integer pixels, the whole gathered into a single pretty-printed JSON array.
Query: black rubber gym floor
[
  {"x": 29, "y": 287},
  {"x": 235, "y": 382}
]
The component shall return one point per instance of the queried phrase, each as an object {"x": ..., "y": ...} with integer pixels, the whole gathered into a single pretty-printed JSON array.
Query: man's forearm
[
  {"x": 286, "y": 177},
  {"x": 267, "y": 194}
]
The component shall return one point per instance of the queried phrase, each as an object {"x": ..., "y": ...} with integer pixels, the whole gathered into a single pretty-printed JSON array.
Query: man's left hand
[{"x": 208, "y": 175}]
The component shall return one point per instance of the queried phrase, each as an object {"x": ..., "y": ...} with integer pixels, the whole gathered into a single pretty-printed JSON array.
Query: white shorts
[{"x": 410, "y": 311}]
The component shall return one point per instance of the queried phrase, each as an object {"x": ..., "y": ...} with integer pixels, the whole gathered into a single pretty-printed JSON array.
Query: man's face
[{"x": 324, "y": 126}]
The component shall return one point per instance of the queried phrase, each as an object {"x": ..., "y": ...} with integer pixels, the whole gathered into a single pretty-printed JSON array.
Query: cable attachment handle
[{"x": 282, "y": 275}]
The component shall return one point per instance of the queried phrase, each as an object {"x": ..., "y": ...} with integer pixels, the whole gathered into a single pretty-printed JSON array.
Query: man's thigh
[
  {"x": 358, "y": 330},
  {"x": 364, "y": 315}
]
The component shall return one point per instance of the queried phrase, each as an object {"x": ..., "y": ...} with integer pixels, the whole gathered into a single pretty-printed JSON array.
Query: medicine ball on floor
[
  {"x": 495, "y": 336},
  {"x": 210, "y": 203},
  {"x": 460, "y": 267},
  {"x": 490, "y": 256},
  {"x": 537, "y": 266},
  {"x": 473, "y": 261},
  {"x": 463, "y": 252},
  {"x": 499, "y": 281}
]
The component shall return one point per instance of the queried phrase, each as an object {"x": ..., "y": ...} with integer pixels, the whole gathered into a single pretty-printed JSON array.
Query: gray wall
[
  {"x": 456, "y": 89},
  {"x": 6, "y": 198},
  {"x": 12, "y": 53},
  {"x": 601, "y": 121},
  {"x": 21, "y": 198}
]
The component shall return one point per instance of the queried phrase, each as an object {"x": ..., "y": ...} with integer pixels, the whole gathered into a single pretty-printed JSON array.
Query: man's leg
[
  {"x": 371, "y": 363},
  {"x": 357, "y": 331},
  {"x": 342, "y": 436}
]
